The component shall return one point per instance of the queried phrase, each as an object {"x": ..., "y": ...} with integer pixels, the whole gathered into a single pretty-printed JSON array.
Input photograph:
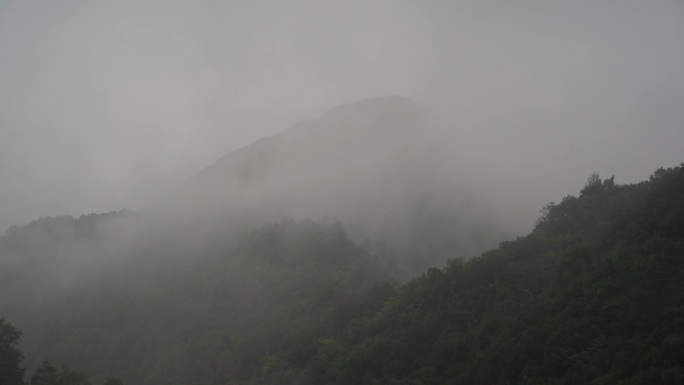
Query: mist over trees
[
  {"x": 341, "y": 192},
  {"x": 12, "y": 371},
  {"x": 388, "y": 168},
  {"x": 354, "y": 248},
  {"x": 589, "y": 296},
  {"x": 11, "y": 357}
]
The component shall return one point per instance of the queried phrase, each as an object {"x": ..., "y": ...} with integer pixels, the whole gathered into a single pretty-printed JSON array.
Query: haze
[{"x": 108, "y": 105}]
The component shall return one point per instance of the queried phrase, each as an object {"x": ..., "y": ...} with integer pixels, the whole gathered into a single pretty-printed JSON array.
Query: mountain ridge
[
  {"x": 384, "y": 166},
  {"x": 353, "y": 112},
  {"x": 591, "y": 295}
]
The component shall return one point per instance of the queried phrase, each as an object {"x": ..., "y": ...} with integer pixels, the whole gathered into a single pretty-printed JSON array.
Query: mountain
[
  {"x": 166, "y": 308},
  {"x": 591, "y": 295},
  {"x": 371, "y": 122},
  {"x": 396, "y": 176},
  {"x": 231, "y": 283}
]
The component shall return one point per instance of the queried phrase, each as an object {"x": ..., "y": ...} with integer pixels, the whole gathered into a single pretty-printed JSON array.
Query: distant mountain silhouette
[
  {"x": 346, "y": 128},
  {"x": 386, "y": 167}
]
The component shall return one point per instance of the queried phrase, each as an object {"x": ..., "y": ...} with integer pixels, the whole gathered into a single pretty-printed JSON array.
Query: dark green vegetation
[
  {"x": 11, "y": 357},
  {"x": 593, "y": 295},
  {"x": 12, "y": 372},
  {"x": 176, "y": 309}
]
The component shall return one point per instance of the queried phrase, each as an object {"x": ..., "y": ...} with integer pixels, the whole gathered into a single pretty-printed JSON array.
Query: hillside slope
[
  {"x": 397, "y": 177},
  {"x": 592, "y": 295},
  {"x": 167, "y": 308}
]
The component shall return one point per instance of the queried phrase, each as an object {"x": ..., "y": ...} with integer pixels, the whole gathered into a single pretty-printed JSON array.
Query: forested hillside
[
  {"x": 591, "y": 295},
  {"x": 12, "y": 371},
  {"x": 172, "y": 309}
]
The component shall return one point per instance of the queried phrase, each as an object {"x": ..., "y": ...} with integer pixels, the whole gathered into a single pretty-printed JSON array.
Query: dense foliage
[
  {"x": 12, "y": 371},
  {"x": 11, "y": 357},
  {"x": 172, "y": 310},
  {"x": 592, "y": 295}
]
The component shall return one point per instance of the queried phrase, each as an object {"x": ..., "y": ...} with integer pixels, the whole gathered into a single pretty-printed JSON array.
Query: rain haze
[
  {"x": 105, "y": 105},
  {"x": 341, "y": 192}
]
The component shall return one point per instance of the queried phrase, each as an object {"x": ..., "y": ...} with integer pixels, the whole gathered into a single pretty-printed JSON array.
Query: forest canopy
[{"x": 591, "y": 295}]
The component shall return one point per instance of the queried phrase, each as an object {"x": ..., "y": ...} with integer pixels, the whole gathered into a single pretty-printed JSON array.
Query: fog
[
  {"x": 111, "y": 105},
  {"x": 234, "y": 192}
]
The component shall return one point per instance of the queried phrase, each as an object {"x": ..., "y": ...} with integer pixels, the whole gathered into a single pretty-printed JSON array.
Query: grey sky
[{"x": 104, "y": 103}]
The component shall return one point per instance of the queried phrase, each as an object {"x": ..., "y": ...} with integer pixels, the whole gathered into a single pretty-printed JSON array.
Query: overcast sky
[{"x": 102, "y": 103}]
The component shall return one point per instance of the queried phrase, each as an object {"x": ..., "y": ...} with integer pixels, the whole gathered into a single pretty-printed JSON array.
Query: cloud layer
[{"x": 104, "y": 104}]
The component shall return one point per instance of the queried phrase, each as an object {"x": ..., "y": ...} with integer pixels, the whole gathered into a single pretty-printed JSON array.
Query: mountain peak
[
  {"x": 380, "y": 102},
  {"x": 366, "y": 123},
  {"x": 381, "y": 106}
]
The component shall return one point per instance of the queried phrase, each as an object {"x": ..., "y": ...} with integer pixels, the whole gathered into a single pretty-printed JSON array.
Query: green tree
[
  {"x": 73, "y": 377},
  {"x": 47, "y": 374},
  {"x": 11, "y": 372}
]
